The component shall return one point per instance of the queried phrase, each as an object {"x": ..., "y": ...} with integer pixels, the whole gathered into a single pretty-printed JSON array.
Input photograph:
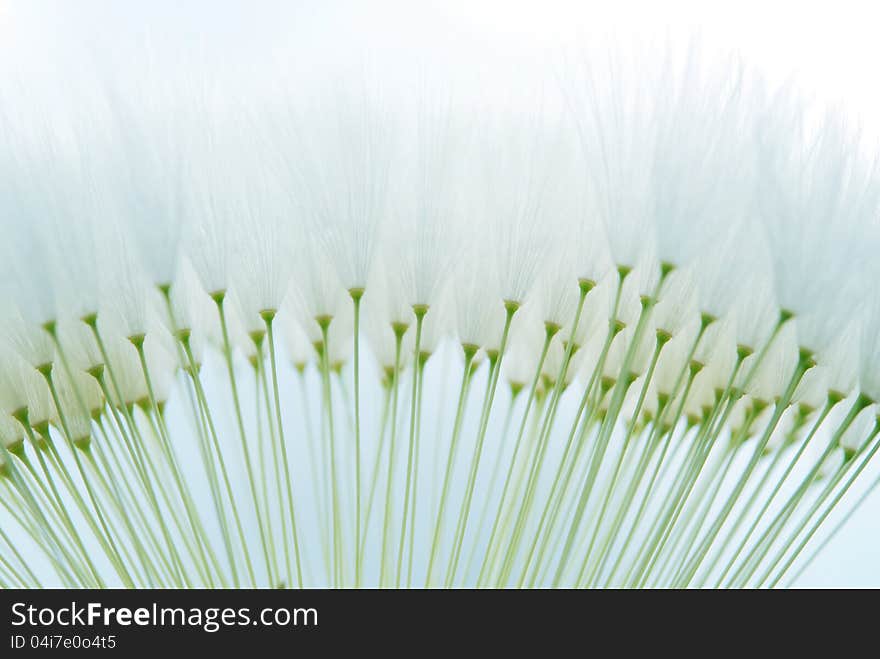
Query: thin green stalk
[
  {"x": 544, "y": 436},
  {"x": 510, "y": 309},
  {"x": 804, "y": 363},
  {"x": 270, "y": 478},
  {"x": 771, "y": 533},
  {"x": 198, "y": 417},
  {"x": 833, "y": 533},
  {"x": 469, "y": 352},
  {"x": 791, "y": 465},
  {"x": 399, "y": 331},
  {"x": 186, "y": 498},
  {"x": 219, "y": 298},
  {"x": 412, "y": 521},
  {"x": 42, "y": 532},
  {"x": 661, "y": 340},
  {"x": 103, "y": 536},
  {"x": 212, "y": 432},
  {"x": 356, "y": 295},
  {"x": 55, "y": 500},
  {"x": 268, "y": 317},
  {"x": 818, "y": 523},
  {"x": 159, "y": 558},
  {"x": 550, "y": 331},
  {"x": 605, "y": 430},
  {"x": 696, "y": 518},
  {"x": 419, "y": 311},
  {"x": 321, "y": 494},
  {"x": 131, "y": 445},
  {"x": 115, "y": 495},
  {"x": 585, "y": 416},
  {"x": 667, "y": 430},
  {"x": 377, "y": 462}
]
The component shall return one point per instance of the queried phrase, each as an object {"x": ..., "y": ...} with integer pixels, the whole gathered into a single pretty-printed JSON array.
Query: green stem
[
  {"x": 419, "y": 311},
  {"x": 268, "y": 317},
  {"x": 510, "y": 309},
  {"x": 356, "y": 295},
  {"x": 818, "y": 523},
  {"x": 230, "y": 369},
  {"x": 550, "y": 331},
  {"x": 399, "y": 331},
  {"x": 469, "y": 352}
]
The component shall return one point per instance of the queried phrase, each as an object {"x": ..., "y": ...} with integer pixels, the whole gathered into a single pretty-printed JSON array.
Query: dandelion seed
[{"x": 380, "y": 326}]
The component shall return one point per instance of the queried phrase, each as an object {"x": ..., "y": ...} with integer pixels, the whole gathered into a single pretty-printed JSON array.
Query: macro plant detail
[{"x": 611, "y": 325}]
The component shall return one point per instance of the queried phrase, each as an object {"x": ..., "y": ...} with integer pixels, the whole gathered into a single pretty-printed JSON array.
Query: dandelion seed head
[{"x": 668, "y": 264}]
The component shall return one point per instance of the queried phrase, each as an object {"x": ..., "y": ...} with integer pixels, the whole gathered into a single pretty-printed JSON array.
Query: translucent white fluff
[
  {"x": 382, "y": 340},
  {"x": 316, "y": 289},
  {"x": 299, "y": 349},
  {"x": 78, "y": 343},
  {"x": 702, "y": 173},
  {"x": 423, "y": 235},
  {"x": 263, "y": 262},
  {"x": 11, "y": 433},
  {"x": 672, "y": 365},
  {"x": 12, "y": 394},
  {"x": 526, "y": 342},
  {"x": 76, "y": 417},
  {"x": 85, "y": 390},
  {"x": 677, "y": 302},
  {"x": 437, "y": 324},
  {"x": 814, "y": 201},
  {"x": 717, "y": 352},
  {"x": 31, "y": 342},
  {"x": 608, "y": 100},
  {"x": 767, "y": 380},
  {"x": 841, "y": 359},
  {"x": 25, "y": 282},
  {"x": 479, "y": 308},
  {"x": 732, "y": 263},
  {"x": 339, "y": 168},
  {"x": 755, "y": 314},
  {"x": 869, "y": 364},
  {"x": 515, "y": 193},
  {"x": 125, "y": 375},
  {"x": 191, "y": 307},
  {"x": 854, "y": 437},
  {"x": 153, "y": 121}
]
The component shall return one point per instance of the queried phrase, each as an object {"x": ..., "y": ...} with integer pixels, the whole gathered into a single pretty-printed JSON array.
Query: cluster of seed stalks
[{"x": 621, "y": 332}]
